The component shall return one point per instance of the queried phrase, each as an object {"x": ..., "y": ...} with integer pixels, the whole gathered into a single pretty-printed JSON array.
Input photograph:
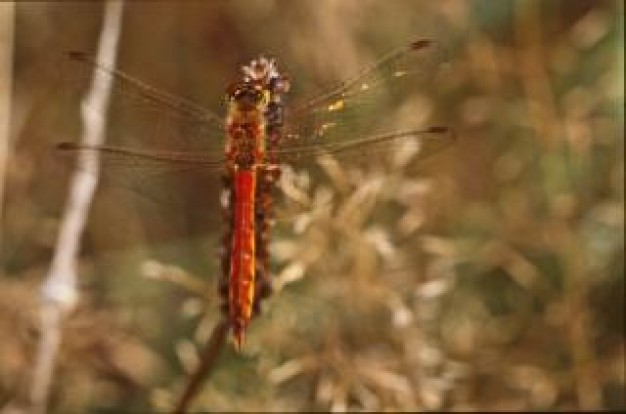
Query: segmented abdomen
[{"x": 246, "y": 203}]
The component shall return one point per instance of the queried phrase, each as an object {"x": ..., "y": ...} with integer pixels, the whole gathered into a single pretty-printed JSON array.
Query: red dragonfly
[{"x": 260, "y": 132}]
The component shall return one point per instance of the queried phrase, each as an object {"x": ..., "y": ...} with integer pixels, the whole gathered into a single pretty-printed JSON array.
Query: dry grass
[{"x": 490, "y": 277}]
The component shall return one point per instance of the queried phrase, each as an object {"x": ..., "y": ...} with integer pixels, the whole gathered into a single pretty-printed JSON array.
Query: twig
[
  {"x": 209, "y": 357},
  {"x": 58, "y": 293},
  {"x": 7, "y": 17}
]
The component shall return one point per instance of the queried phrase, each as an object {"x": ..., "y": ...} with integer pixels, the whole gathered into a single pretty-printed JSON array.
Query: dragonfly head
[
  {"x": 260, "y": 83},
  {"x": 248, "y": 96}
]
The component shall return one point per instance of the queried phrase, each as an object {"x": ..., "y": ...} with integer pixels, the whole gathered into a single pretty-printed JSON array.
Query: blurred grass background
[{"x": 490, "y": 278}]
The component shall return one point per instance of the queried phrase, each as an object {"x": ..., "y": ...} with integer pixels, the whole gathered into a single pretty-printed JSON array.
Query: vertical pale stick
[
  {"x": 58, "y": 292},
  {"x": 7, "y": 16}
]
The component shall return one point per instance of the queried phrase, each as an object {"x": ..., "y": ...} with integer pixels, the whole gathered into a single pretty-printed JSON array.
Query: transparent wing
[
  {"x": 127, "y": 157},
  {"x": 429, "y": 141},
  {"x": 136, "y": 91},
  {"x": 159, "y": 176},
  {"x": 368, "y": 102},
  {"x": 142, "y": 116},
  {"x": 154, "y": 139}
]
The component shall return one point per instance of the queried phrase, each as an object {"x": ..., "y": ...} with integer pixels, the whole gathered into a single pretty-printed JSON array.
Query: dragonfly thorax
[
  {"x": 246, "y": 126},
  {"x": 255, "y": 113}
]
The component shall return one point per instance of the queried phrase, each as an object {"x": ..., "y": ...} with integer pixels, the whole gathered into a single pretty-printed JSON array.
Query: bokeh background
[{"x": 489, "y": 276}]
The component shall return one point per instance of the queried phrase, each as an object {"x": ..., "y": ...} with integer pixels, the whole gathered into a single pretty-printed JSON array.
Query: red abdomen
[{"x": 243, "y": 253}]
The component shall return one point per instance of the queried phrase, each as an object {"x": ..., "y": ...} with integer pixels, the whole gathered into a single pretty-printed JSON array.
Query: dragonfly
[{"x": 259, "y": 134}]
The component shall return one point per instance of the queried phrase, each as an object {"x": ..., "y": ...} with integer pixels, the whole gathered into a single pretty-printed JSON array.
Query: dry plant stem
[
  {"x": 7, "y": 13},
  {"x": 209, "y": 357},
  {"x": 59, "y": 289}
]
